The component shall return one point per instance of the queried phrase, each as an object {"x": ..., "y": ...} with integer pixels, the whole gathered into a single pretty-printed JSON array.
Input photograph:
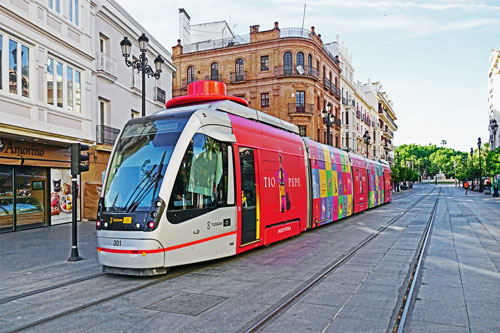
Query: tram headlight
[
  {"x": 154, "y": 214},
  {"x": 137, "y": 225},
  {"x": 105, "y": 224}
]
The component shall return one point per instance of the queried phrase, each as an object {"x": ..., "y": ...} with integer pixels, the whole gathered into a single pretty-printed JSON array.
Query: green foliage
[{"x": 493, "y": 162}]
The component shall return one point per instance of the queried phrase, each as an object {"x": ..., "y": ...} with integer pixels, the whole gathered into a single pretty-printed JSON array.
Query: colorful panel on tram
[
  {"x": 331, "y": 183},
  {"x": 375, "y": 184}
]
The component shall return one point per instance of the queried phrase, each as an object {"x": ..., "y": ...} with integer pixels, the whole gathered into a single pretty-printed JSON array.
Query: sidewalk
[{"x": 34, "y": 258}]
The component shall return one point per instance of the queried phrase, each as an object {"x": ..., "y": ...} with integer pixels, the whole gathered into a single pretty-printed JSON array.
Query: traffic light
[{"x": 77, "y": 158}]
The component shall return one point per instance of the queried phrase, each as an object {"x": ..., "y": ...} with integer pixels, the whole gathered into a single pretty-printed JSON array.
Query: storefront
[{"x": 35, "y": 184}]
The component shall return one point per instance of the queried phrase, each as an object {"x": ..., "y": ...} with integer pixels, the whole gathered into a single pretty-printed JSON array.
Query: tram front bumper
[{"x": 130, "y": 253}]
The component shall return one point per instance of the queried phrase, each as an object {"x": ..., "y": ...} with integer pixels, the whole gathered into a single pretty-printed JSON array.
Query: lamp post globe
[{"x": 141, "y": 64}]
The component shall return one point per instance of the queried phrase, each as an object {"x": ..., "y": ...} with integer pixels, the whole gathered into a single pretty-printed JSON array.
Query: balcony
[
  {"x": 358, "y": 114},
  {"x": 214, "y": 77},
  {"x": 106, "y": 66},
  {"x": 238, "y": 77},
  {"x": 106, "y": 135},
  {"x": 301, "y": 109},
  {"x": 327, "y": 84},
  {"x": 302, "y": 71}
]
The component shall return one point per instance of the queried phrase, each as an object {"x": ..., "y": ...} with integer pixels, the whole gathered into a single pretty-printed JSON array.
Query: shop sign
[{"x": 29, "y": 150}]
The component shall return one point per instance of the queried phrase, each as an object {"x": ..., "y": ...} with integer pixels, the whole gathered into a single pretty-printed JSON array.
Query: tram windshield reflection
[{"x": 141, "y": 157}]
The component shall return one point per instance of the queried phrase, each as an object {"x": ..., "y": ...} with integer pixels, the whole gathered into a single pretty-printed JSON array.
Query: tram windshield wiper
[{"x": 151, "y": 179}]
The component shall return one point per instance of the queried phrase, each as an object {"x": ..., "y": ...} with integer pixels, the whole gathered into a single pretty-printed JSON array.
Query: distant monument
[{"x": 440, "y": 176}]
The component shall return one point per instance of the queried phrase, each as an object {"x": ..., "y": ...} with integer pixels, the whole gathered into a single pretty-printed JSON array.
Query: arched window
[
  {"x": 190, "y": 74},
  {"x": 239, "y": 69},
  {"x": 300, "y": 59},
  {"x": 287, "y": 63},
  {"x": 309, "y": 63},
  {"x": 214, "y": 72}
]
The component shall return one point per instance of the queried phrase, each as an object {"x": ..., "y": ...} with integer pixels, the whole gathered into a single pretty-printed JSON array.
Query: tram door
[{"x": 249, "y": 199}]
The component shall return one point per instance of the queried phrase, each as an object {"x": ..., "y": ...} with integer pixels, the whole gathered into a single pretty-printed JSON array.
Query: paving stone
[
  {"x": 356, "y": 325},
  {"x": 421, "y": 326},
  {"x": 326, "y": 298},
  {"x": 446, "y": 313}
]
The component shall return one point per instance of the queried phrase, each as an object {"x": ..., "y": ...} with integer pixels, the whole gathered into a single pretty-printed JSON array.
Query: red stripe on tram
[{"x": 175, "y": 247}]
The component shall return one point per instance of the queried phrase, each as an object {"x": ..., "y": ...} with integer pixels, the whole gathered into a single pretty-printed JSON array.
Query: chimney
[
  {"x": 337, "y": 59},
  {"x": 312, "y": 30},
  {"x": 254, "y": 28},
  {"x": 276, "y": 25},
  {"x": 319, "y": 35},
  {"x": 184, "y": 26}
]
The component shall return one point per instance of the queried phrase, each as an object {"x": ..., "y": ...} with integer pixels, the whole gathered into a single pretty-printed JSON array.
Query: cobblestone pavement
[{"x": 457, "y": 290}]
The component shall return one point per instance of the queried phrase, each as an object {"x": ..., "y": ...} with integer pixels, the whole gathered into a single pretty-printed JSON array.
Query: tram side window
[{"x": 202, "y": 180}]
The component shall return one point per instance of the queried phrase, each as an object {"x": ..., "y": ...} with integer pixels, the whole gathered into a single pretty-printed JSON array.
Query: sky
[{"x": 431, "y": 56}]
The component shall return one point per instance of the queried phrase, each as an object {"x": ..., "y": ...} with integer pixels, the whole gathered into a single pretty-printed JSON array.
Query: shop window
[{"x": 264, "y": 63}]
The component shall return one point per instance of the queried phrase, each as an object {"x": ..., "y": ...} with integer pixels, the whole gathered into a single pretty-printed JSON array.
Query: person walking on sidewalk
[{"x": 466, "y": 187}]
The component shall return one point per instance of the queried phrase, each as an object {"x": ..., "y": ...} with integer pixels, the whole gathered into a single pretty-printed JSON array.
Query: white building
[
  {"x": 53, "y": 77},
  {"x": 362, "y": 109},
  {"x": 494, "y": 96}
]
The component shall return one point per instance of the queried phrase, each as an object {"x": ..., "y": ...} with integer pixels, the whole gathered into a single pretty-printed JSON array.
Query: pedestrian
[{"x": 466, "y": 187}]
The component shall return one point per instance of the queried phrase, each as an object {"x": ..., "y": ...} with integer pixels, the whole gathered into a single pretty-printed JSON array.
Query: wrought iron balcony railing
[
  {"x": 106, "y": 135},
  {"x": 307, "y": 71},
  {"x": 238, "y": 77},
  {"x": 298, "y": 108}
]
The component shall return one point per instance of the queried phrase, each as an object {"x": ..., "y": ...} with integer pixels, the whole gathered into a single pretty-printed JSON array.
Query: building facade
[
  {"x": 363, "y": 112},
  {"x": 494, "y": 97},
  {"x": 51, "y": 77},
  {"x": 287, "y": 73}
]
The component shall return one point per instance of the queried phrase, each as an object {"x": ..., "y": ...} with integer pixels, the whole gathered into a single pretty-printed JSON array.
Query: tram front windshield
[{"x": 139, "y": 163}]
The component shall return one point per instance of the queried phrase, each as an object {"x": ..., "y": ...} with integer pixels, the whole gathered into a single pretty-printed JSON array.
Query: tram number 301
[{"x": 117, "y": 242}]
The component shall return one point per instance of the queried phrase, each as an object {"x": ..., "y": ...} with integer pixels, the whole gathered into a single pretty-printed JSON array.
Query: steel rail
[
  {"x": 290, "y": 298},
  {"x": 104, "y": 299},
  {"x": 406, "y": 302},
  {"x": 49, "y": 288}
]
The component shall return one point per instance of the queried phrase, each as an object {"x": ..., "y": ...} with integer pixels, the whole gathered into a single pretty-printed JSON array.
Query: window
[
  {"x": 104, "y": 112},
  {"x": 264, "y": 63},
  {"x": 73, "y": 11},
  {"x": 300, "y": 105},
  {"x": 287, "y": 63},
  {"x": 202, "y": 182},
  {"x": 103, "y": 44},
  {"x": 190, "y": 74},
  {"x": 302, "y": 130},
  {"x": 69, "y": 88},
  {"x": 25, "y": 70},
  {"x": 59, "y": 80},
  {"x": 309, "y": 62},
  {"x": 12, "y": 66},
  {"x": 264, "y": 99},
  {"x": 55, "y": 5},
  {"x": 239, "y": 69},
  {"x": 58, "y": 76},
  {"x": 214, "y": 72},
  {"x": 347, "y": 117},
  {"x": 300, "y": 59},
  {"x": 134, "y": 114},
  {"x": 1, "y": 42}
]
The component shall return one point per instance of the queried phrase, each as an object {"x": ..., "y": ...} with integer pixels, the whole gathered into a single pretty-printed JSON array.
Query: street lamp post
[
  {"x": 386, "y": 149},
  {"x": 367, "y": 139},
  {"x": 141, "y": 64},
  {"x": 480, "y": 171},
  {"x": 472, "y": 166},
  {"x": 328, "y": 118},
  {"x": 494, "y": 129}
]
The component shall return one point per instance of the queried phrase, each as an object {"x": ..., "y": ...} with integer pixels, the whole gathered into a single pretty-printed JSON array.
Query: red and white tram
[{"x": 209, "y": 177}]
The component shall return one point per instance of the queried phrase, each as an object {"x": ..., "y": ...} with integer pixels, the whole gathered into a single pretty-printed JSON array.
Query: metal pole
[
  {"x": 143, "y": 68},
  {"x": 328, "y": 124},
  {"x": 74, "y": 202}
]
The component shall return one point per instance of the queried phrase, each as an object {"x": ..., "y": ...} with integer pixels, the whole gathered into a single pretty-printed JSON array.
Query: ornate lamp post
[
  {"x": 141, "y": 64},
  {"x": 480, "y": 171},
  {"x": 366, "y": 139},
  {"x": 328, "y": 118}
]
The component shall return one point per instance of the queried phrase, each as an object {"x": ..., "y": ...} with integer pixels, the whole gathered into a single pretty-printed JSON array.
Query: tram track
[
  {"x": 101, "y": 300},
  {"x": 412, "y": 280},
  {"x": 261, "y": 322}
]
